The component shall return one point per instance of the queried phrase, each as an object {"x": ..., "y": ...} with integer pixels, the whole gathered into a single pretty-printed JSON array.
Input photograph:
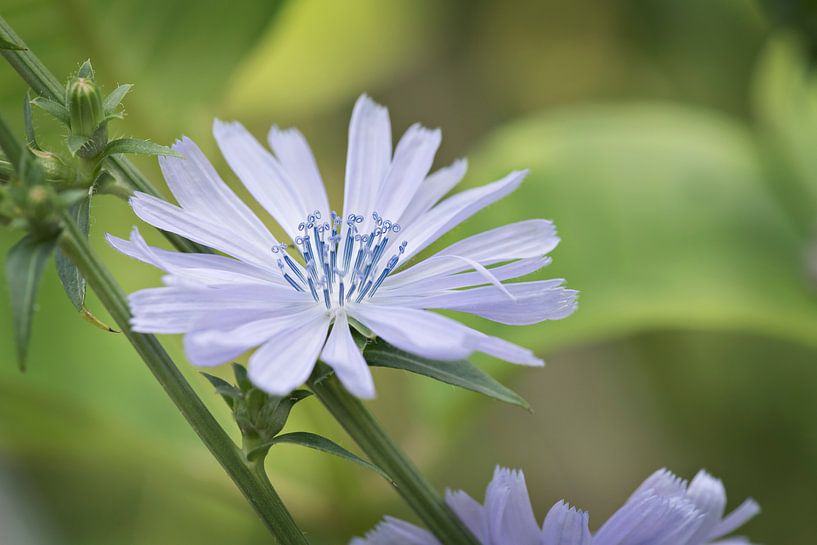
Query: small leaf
[
  {"x": 31, "y": 140},
  {"x": 72, "y": 280},
  {"x": 317, "y": 442},
  {"x": 24, "y": 267},
  {"x": 86, "y": 70},
  {"x": 227, "y": 391},
  {"x": 134, "y": 145},
  {"x": 113, "y": 100},
  {"x": 460, "y": 373},
  {"x": 5, "y": 44},
  {"x": 54, "y": 108}
]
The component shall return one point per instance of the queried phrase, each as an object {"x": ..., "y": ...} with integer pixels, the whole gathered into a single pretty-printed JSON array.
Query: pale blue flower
[
  {"x": 665, "y": 510},
  {"x": 283, "y": 299}
]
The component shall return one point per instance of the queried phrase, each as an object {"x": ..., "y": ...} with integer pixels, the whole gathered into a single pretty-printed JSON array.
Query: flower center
[{"x": 340, "y": 268}]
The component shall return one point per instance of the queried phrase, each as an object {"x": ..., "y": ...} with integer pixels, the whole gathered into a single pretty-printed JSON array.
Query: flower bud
[
  {"x": 55, "y": 168},
  {"x": 85, "y": 106}
]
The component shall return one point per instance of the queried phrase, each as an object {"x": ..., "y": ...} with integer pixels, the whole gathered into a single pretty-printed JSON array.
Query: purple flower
[
  {"x": 665, "y": 510},
  {"x": 342, "y": 269}
]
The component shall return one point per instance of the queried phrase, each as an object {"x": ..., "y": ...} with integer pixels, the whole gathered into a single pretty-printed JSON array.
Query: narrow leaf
[
  {"x": 24, "y": 267},
  {"x": 460, "y": 373},
  {"x": 5, "y": 44},
  {"x": 113, "y": 100},
  {"x": 31, "y": 140},
  {"x": 229, "y": 393},
  {"x": 134, "y": 145},
  {"x": 54, "y": 108},
  {"x": 318, "y": 442},
  {"x": 72, "y": 281}
]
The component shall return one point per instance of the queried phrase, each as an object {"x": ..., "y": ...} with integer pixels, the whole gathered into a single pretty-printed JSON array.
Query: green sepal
[
  {"x": 317, "y": 442},
  {"x": 141, "y": 147},
  {"x": 86, "y": 70},
  {"x": 24, "y": 266},
  {"x": 114, "y": 99},
  {"x": 54, "y": 108},
  {"x": 461, "y": 373}
]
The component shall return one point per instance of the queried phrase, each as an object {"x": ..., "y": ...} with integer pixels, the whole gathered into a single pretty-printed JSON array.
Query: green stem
[
  {"x": 366, "y": 431},
  {"x": 257, "y": 489},
  {"x": 45, "y": 84}
]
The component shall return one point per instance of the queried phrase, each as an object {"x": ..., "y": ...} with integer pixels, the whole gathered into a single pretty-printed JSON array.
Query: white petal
[
  {"x": 532, "y": 302},
  {"x": 504, "y": 350},
  {"x": 286, "y": 360},
  {"x": 737, "y": 518},
  {"x": 262, "y": 174},
  {"x": 210, "y": 232},
  {"x": 565, "y": 525},
  {"x": 440, "y": 282},
  {"x": 434, "y": 188},
  {"x": 205, "y": 268},
  {"x": 524, "y": 239},
  {"x": 509, "y": 512},
  {"x": 397, "y": 532},
  {"x": 709, "y": 496},
  {"x": 368, "y": 158},
  {"x": 181, "y": 309},
  {"x": 470, "y": 512},
  {"x": 412, "y": 161},
  {"x": 417, "y": 331},
  {"x": 297, "y": 159},
  {"x": 210, "y": 347},
  {"x": 200, "y": 190},
  {"x": 454, "y": 210},
  {"x": 342, "y": 354}
]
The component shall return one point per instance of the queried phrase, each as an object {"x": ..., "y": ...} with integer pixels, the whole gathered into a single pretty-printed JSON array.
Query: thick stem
[
  {"x": 256, "y": 489},
  {"x": 366, "y": 431}
]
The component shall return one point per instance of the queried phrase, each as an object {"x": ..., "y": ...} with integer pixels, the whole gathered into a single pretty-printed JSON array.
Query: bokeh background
[{"x": 675, "y": 145}]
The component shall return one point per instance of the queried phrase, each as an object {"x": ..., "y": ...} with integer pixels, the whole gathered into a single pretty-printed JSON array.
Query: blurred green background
[{"x": 672, "y": 142}]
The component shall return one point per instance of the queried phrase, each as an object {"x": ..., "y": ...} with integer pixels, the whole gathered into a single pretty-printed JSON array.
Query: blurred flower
[
  {"x": 343, "y": 269},
  {"x": 665, "y": 510}
]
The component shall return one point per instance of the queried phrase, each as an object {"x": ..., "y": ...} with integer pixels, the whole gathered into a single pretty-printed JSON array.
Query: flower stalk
[
  {"x": 249, "y": 477},
  {"x": 366, "y": 431}
]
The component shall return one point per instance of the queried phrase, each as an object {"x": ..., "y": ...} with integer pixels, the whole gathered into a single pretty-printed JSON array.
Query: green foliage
[
  {"x": 317, "y": 442},
  {"x": 72, "y": 280},
  {"x": 24, "y": 267},
  {"x": 138, "y": 147},
  {"x": 460, "y": 373}
]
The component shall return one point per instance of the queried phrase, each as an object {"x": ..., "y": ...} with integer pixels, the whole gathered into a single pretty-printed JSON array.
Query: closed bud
[{"x": 85, "y": 107}]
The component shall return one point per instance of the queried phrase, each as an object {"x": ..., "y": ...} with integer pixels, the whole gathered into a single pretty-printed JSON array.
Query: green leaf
[
  {"x": 141, "y": 147},
  {"x": 317, "y": 442},
  {"x": 72, "y": 280},
  {"x": 113, "y": 100},
  {"x": 24, "y": 267},
  {"x": 229, "y": 393},
  {"x": 460, "y": 373},
  {"x": 31, "y": 139},
  {"x": 54, "y": 108},
  {"x": 5, "y": 44}
]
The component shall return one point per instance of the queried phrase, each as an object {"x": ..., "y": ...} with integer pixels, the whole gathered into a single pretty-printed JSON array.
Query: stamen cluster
[{"x": 347, "y": 265}]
